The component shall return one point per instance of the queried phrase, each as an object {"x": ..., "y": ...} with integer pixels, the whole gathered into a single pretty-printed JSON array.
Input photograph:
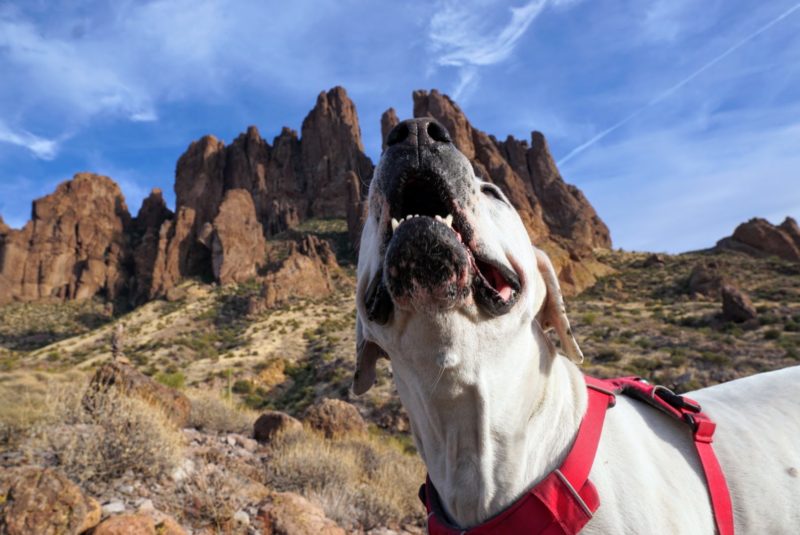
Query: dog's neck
[{"x": 487, "y": 441}]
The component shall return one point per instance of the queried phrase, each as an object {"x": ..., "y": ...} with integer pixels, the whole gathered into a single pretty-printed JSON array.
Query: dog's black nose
[{"x": 418, "y": 132}]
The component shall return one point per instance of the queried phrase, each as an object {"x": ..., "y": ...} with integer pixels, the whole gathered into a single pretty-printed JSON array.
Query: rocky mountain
[
  {"x": 759, "y": 237},
  {"x": 233, "y": 200},
  {"x": 75, "y": 246}
]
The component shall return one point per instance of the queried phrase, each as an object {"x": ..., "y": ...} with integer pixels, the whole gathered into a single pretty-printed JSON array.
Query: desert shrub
[
  {"x": 772, "y": 334},
  {"x": 121, "y": 434},
  {"x": 213, "y": 412},
  {"x": 362, "y": 478},
  {"x": 171, "y": 379},
  {"x": 608, "y": 355}
]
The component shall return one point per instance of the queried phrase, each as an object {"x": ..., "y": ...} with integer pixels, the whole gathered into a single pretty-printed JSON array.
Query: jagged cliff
[{"x": 230, "y": 199}]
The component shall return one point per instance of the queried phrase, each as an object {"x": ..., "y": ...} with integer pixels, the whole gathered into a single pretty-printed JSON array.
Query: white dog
[{"x": 450, "y": 289}]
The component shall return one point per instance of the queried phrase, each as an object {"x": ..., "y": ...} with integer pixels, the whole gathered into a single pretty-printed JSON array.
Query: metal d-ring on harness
[{"x": 564, "y": 501}]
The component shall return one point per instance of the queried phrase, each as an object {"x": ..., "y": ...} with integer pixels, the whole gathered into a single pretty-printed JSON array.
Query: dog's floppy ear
[
  {"x": 367, "y": 355},
  {"x": 553, "y": 313}
]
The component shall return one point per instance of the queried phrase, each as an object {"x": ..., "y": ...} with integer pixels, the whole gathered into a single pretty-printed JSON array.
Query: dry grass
[
  {"x": 211, "y": 411},
  {"x": 121, "y": 435},
  {"x": 361, "y": 478}
]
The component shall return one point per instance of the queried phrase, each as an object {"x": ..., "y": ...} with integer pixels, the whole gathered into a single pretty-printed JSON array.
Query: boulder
[
  {"x": 138, "y": 524},
  {"x": 238, "y": 246},
  {"x": 43, "y": 501},
  {"x": 287, "y": 513},
  {"x": 654, "y": 260},
  {"x": 335, "y": 417},
  {"x": 705, "y": 279},
  {"x": 271, "y": 423},
  {"x": 736, "y": 305},
  {"x": 132, "y": 382},
  {"x": 759, "y": 237}
]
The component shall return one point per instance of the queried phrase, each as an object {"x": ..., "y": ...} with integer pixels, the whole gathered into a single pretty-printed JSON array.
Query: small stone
[
  {"x": 113, "y": 508},
  {"x": 145, "y": 506},
  {"x": 231, "y": 440},
  {"x": 241, "y": 518}
]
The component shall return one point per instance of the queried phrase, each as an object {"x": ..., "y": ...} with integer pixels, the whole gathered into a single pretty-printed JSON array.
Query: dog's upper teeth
[
  {"x": 395, "y": 224},
  {"x": 449, "y": 220}
]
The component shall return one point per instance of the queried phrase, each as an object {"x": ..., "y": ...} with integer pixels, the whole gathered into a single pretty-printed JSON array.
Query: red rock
[
  {"x": 331, "y": 146},
  {"x": 271, "y": 423},
  {"x": 130, "y": 381},
  {"x": 335, "y": 417},
  {"x": 43, "y": 501},
  {"x": 388, "y": 121},
  {"x": 306, "y": 271},
  {"x": 238, "y": 247},
  {"x": 759, "y": 237},
  {"x": 736, "y": 305},
  {"x": 557, "y": 215},
  {"x": 287, "y": 513},
  {"x": 75, "y": 246}
]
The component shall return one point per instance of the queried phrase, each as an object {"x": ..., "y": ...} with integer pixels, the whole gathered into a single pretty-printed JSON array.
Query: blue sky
[{"x": 679, "y": 119}]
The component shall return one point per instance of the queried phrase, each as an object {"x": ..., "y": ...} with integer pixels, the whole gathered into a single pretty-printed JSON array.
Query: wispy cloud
[
  {"x": 681, "y": 187},
  {"x": 676, "y": 87},
  {"x": 465, "y": 35},
  {"x": 43, "y": 148}
]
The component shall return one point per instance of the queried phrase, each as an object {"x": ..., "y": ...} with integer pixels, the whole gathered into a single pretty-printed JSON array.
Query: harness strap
[
  {"x": 564, "y": 501},
  {"x": 560, "y": 504},
  {"x": 689, "y": 412}
]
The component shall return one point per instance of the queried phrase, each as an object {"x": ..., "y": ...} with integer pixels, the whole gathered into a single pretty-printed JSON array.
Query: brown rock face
[
  {"x": 289, "y": 181},
  {"x": 388, "y": 121},
  {"x": 287, "y": 513},
  {"x": 307, "y": 271},
  {"x": 45, "y": 502},
  {"x": 74, "y": 247},
  {"x": 736, "y": 305},
  {"x": 145, "y": 242},
  {"x": 271, "y": 423},
  {"x": 331, "y": 146},
  {"x": 557, "y": 215},
  {"x": 132, "y": 382},
  {"x": 335, "y": 417},
  {"x": 759, "y": 237},
  {"x": 238, "y": 247}
]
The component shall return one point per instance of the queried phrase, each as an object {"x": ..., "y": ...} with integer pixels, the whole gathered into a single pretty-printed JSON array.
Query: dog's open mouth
[{"x": 428, "y": 259}]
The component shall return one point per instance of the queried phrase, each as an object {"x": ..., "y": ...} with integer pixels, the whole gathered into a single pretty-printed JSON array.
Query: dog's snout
[{"x": 418, "y": 132}]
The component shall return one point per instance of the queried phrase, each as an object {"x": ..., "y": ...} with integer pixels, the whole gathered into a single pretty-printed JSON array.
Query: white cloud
[
  {"x": 45, "y": 149},
  {"x": 466, "y": 35}
]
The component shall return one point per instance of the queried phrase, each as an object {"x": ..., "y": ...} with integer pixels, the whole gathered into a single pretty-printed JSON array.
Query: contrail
[{"x": 580, "y": 148}]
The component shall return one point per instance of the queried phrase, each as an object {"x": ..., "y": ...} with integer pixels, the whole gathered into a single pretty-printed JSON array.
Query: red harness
[{"x": 565, "y": 500}]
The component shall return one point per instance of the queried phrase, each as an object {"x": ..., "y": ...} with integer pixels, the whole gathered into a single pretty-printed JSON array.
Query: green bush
[{"x": 172, "y": 380}]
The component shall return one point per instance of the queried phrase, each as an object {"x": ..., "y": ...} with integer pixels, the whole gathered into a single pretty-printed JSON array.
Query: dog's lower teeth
[{"x": 448, "y": 220}]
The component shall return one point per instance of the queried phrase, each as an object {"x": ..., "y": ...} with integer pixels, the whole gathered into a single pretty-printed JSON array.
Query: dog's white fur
[{"x": 494, "y": 407}]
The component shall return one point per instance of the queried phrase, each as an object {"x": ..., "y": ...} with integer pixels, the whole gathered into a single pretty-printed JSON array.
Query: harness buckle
[{"x": 676, "y": 400}]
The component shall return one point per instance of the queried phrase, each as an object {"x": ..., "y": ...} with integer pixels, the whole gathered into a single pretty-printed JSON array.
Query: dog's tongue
[{"x": 496, "y": 280}]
